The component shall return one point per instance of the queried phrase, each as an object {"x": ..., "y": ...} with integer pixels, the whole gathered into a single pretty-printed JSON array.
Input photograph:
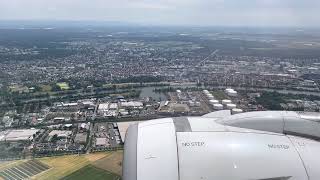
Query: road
[
  {"x": 205, "y": 59},
  {"x": 89, "y": 143},
  {"x": 112, "y": 141},
  {"x": 200, "y": 63}
]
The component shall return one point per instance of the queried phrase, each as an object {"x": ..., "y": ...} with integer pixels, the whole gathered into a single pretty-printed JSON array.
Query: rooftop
[{"x": 17, "y": 135}]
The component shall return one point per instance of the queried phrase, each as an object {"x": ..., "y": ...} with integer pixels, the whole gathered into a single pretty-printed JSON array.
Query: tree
[{"x": 54, "y": 138}]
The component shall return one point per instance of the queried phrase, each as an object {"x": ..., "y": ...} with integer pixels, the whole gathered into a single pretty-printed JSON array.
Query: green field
[
  {"x": 63, "y": 86},
  {"x": 91, "y": 172},
  {"x": 93, "y": 166},
  {"x": 64, "y": 166}
]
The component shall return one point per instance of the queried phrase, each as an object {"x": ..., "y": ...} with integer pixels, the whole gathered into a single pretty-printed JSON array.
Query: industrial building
[
  {"x": 132, "y": 105},
  {"x": 101, "y": 142},
  {"x": 60, "y": 134},
  {"x": 103, "y": 107},
  {"x": 18, "y": 135},
  {"x": 81, "y": 138}
]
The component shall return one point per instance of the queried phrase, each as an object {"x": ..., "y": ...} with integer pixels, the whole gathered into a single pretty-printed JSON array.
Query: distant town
[{"x": 68, "y": 91}]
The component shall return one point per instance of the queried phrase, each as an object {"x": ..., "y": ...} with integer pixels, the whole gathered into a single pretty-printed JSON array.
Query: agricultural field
[
  {"x": 8, "y": 164},
  {"x": 23, "y": 170},
  {"x": 91, "y": 172},
  {"x": 110, "y": 163},
  {"x": 66, "y": 165},
  {"x": 95, "y": 166}
]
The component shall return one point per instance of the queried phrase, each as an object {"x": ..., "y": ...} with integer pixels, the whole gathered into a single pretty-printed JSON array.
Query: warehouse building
[{"x": 18, "y": 135}]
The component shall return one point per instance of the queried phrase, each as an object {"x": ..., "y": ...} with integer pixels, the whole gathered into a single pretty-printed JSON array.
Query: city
[{"x": 75, "y": 92}]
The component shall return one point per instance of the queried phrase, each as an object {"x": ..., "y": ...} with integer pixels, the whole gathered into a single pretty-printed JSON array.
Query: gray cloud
[{"x": 180, "y": 12}]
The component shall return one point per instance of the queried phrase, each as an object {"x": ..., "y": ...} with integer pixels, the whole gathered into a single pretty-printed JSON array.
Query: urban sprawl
[{"x": 78, "y": 94}]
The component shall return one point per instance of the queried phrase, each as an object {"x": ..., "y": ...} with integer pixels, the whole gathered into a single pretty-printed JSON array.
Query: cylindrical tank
[
  {"x": 205, "y": 91},
  {"x": 236, "y": 111},
  {"x": 226, "y": 101},
  {"x": 197, "y": 103},
  {"x": 218, "y": 106},
  {"x": 213, "y": 101},
  {"x": 228, "y": 90},
  {"x": 210, "y": 96},
  {"x": 232, "y": 93},
  {"x": 231, "y": 106}
]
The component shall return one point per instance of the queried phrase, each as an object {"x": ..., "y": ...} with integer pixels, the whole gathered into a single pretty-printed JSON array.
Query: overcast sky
[{"x": 169, "y": 12}]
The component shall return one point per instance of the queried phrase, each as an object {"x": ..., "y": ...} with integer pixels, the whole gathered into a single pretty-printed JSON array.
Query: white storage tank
[
  {"x": 218, "y": 106},
  {"x": 228, "y": 90},
  {"x": 197, "y": 103},
  {"x": 232, "y": 93},
  {"x": 226, "y": 101},
  {"x": 213, "y": 101},
  {"x": 210, "y": 96},
  {"x": 231, "y": 106},
  {"x": 205, "y": 91},
  {"x": 191, "y": 103},
  {"x": 236, "y": 111}
]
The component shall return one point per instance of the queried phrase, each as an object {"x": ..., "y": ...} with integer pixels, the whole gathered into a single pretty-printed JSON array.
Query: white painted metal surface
[
  {"x": 157, "y": 151},
  {"x": 205, "y": 124},
  {"x": 237, "y": 156},
  {"x": 309, "y": 152},
  {"x": 273, "y": 145}
]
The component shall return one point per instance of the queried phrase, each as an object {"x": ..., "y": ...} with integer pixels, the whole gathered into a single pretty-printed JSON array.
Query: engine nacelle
[{"x": 274, "y": 145}]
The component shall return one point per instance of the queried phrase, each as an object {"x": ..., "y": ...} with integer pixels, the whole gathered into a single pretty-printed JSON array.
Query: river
[{"x": 148, "y": 92}]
